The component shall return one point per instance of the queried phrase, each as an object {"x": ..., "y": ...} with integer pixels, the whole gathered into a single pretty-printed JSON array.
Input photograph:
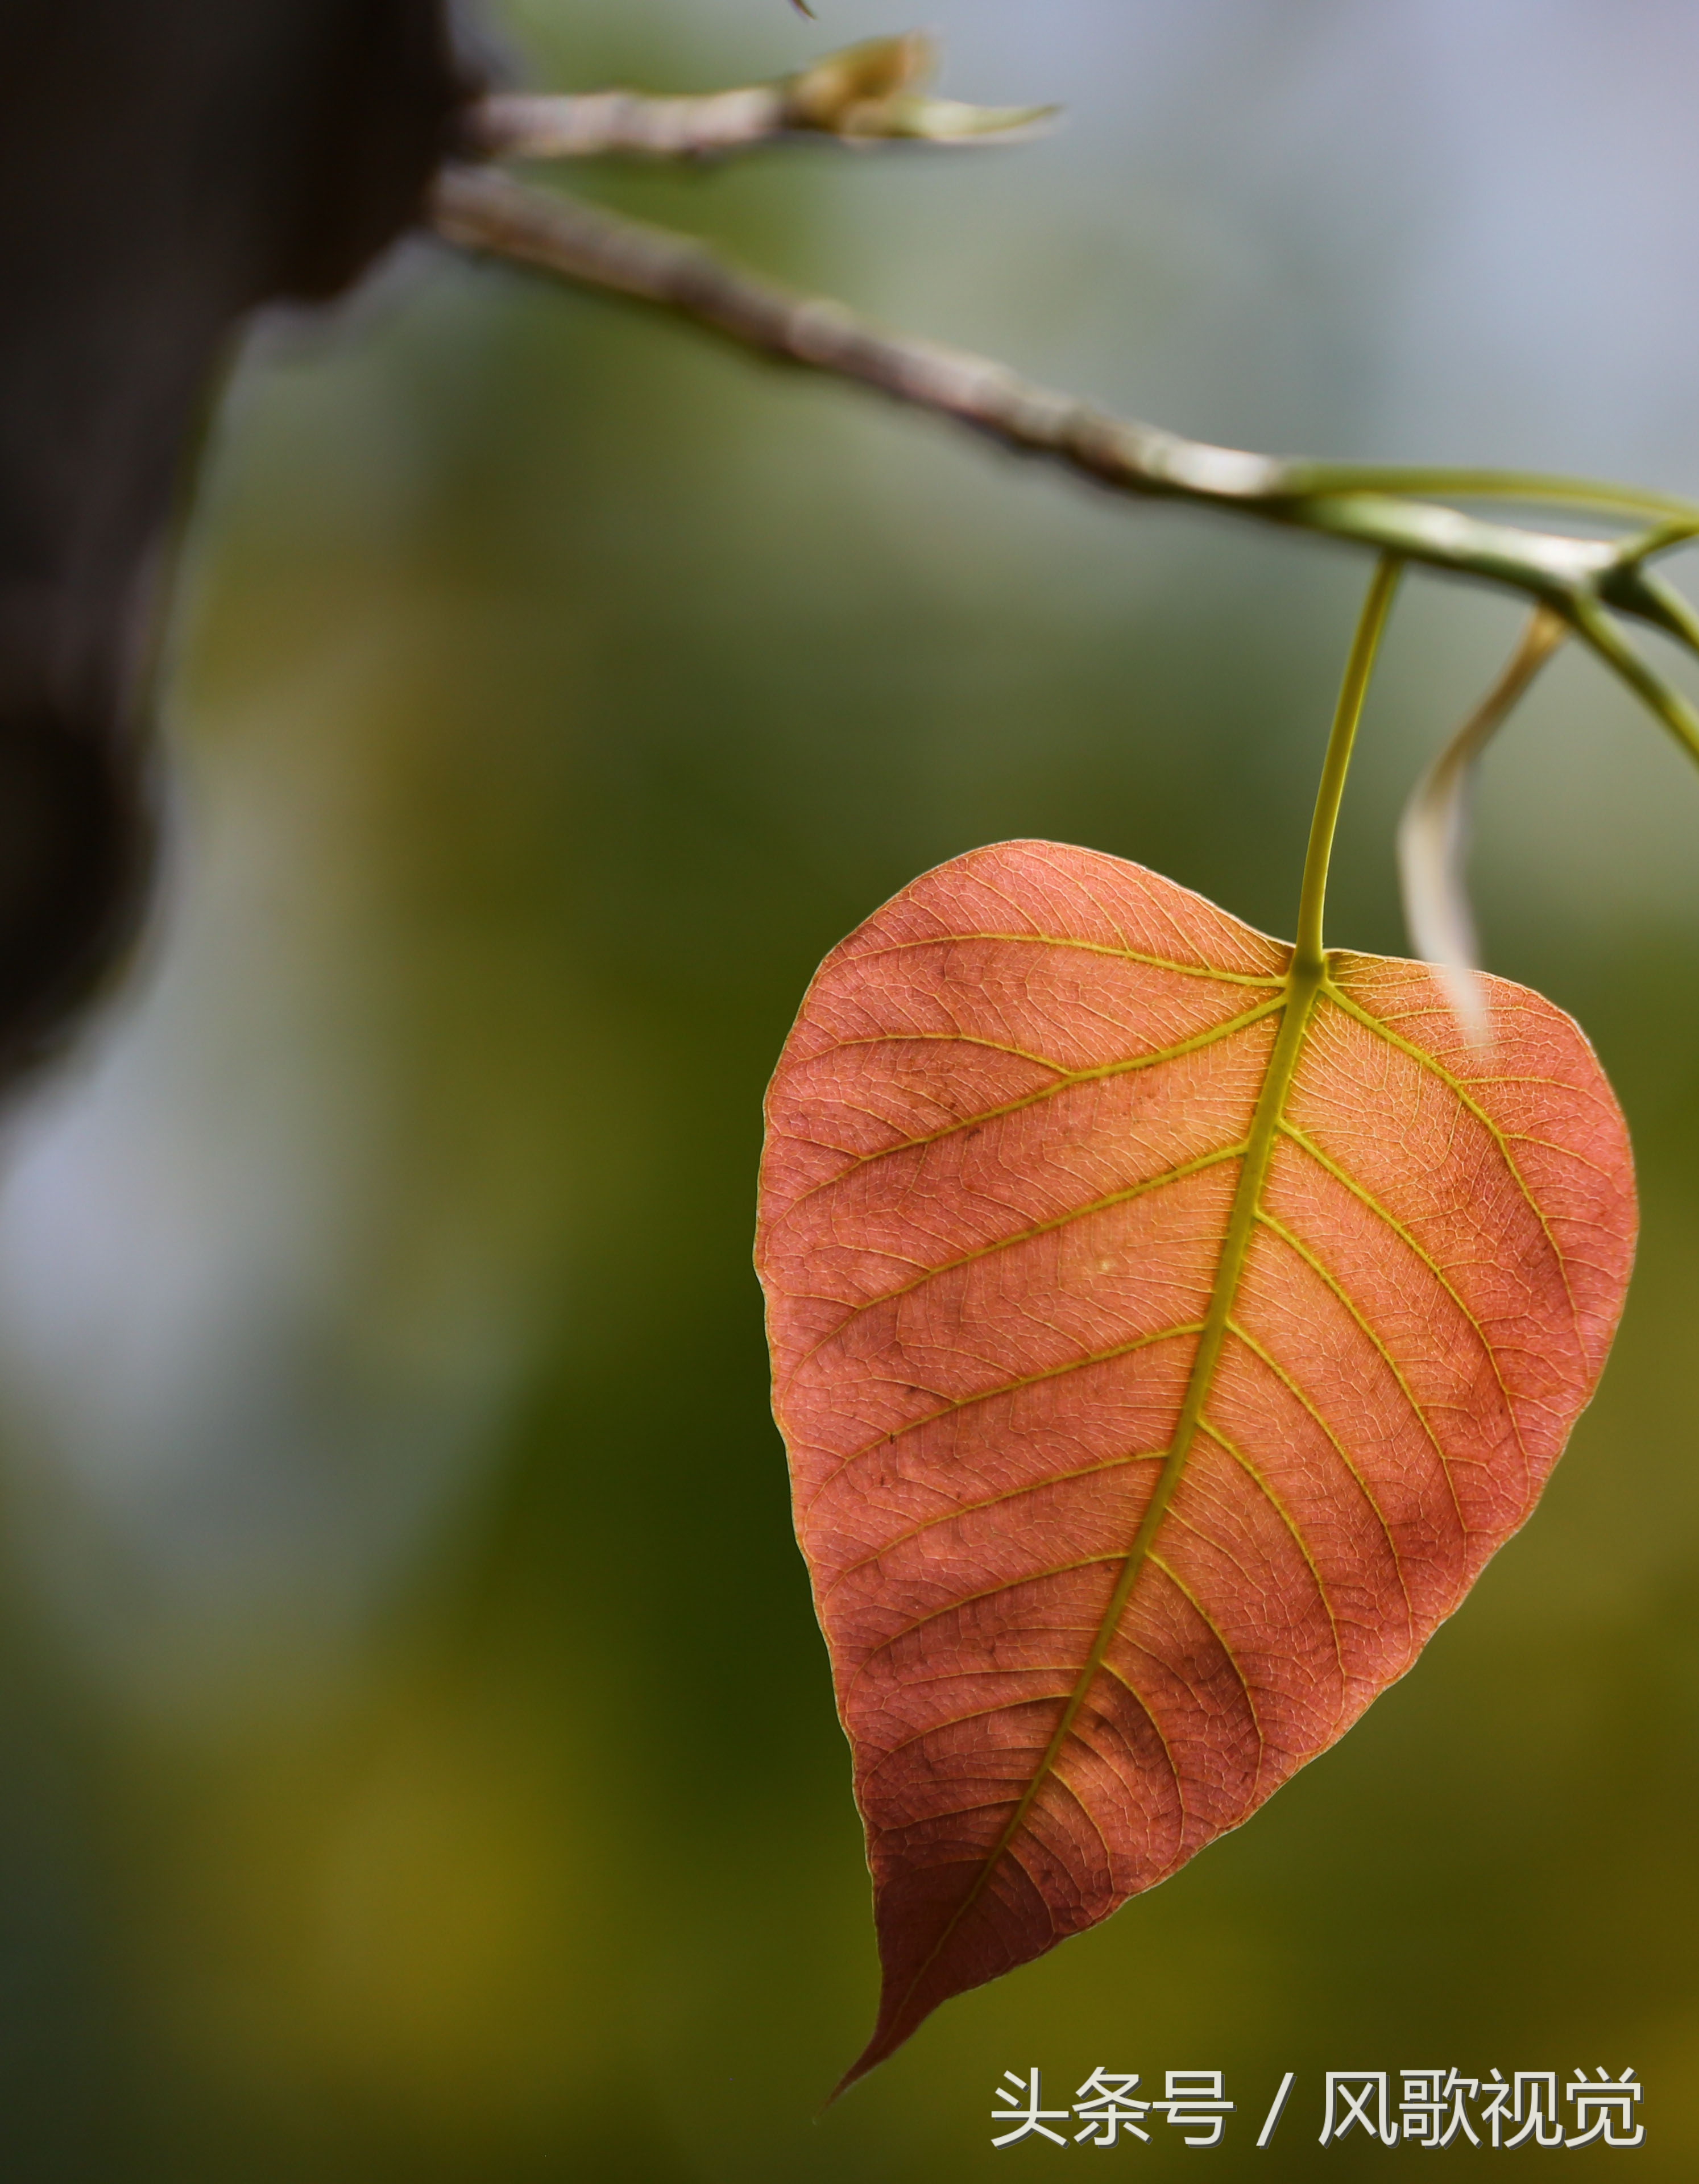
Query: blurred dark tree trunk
[{"x": 165, "y": 166}]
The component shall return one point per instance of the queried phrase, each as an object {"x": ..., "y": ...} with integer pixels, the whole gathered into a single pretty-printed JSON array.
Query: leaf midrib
[
  {"x": 1296, "y": 1003},
  {"x": 1300, "y": 990}
]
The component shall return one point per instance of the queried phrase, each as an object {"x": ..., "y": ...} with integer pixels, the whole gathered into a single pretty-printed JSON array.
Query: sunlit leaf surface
[{"x": 1147, "y": 1409}]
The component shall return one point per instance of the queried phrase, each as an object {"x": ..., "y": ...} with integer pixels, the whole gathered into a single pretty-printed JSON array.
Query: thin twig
[
  {"x": 483, "y": 211},
  {"x": 867, "y": 94}
]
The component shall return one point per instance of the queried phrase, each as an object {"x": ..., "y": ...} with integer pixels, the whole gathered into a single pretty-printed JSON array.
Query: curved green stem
[
  {"x": 1641, "y": 592},
  {"x": 1661, "y": 699},
  {"x": 1308, "y": 958},
  {"x": 1508, "y": 486}
]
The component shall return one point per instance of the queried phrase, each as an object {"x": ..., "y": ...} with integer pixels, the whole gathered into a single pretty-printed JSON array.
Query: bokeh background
[{"x": 417, "y": 1759}]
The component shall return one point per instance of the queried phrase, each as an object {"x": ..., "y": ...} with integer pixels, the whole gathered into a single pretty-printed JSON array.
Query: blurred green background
[{"x": 417, "y": 1759}]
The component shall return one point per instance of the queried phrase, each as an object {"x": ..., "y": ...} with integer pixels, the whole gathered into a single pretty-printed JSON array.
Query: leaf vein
[
  {"x": 1197, "y": 1044},
  {"x": 972, "y": 1600},
  {"x": 991, "y": 1501},
  {"x": 1228, "y": 1654},
  {"x": 1340, "y": 1450},
  {"x": 1006, "y": 1387},
  {"x": 1148, "y": 1712},
  {"x": 1089, "y": 947},
  {"x": 1384, "y": 1214},
  {"x": 1325, "y": 1275},
  {"x": 1179, "y": 1173},
  {"x": 1286, "y": 1518},
  {"x": 1494, "y": 1130}
]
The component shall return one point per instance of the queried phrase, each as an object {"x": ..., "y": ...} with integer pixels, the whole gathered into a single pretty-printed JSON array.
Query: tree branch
[{"x": 1579, "y": 578}]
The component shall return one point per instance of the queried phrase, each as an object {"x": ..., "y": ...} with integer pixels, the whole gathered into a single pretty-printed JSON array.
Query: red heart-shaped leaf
[{"x": 1162, "y": 1347}]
